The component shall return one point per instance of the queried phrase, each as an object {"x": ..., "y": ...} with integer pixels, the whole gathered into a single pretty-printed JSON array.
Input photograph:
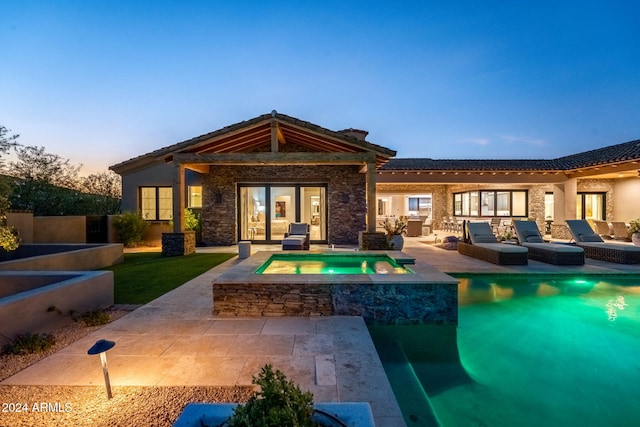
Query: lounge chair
[
  {"x": 620, "y": 231},
  {"x": 485, "y": 246},
  {"x": 594, "y": 247},
  {"x": 297, "y": 238},
  {"x": 552, "y": 253},
  {"x": 602, "y": 229}
]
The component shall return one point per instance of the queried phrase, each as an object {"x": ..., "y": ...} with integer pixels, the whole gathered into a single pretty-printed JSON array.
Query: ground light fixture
[{"x": 101, "y": 347}]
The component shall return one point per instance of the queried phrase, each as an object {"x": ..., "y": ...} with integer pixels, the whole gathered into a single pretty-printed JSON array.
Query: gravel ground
[{"x": 88, "y": 406}]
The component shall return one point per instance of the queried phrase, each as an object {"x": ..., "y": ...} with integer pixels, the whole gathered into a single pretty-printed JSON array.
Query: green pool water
[
  {"x": 528, "y": 351},
  {"x": 352, "y": 263}
]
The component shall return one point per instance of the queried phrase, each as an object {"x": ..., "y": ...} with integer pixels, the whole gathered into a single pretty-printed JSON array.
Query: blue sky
[{"x": 99, "y": 82}]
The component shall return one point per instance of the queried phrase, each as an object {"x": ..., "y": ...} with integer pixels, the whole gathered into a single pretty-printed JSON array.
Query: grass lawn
[{"x": 143, "y": 277}]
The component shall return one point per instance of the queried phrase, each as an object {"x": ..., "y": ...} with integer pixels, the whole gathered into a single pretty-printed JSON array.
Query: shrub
[
  {"x": 9, "y": 240},
  {"x": 191, "y": 220},
  {"x": 29, "y": 343},
  {"x": 95, "y": 318},
  {"x": 279, "y": 402},
  {"x": 130, "y": 228}
]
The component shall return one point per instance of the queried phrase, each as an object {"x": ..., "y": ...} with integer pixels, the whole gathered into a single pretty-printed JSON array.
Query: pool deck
[{"x": 175, "y": 340}]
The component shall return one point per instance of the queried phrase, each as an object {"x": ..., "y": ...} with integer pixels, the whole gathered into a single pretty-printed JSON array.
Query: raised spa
[
  {"x": 376, "y": 285},
  {"x": 352, "y": 263}
]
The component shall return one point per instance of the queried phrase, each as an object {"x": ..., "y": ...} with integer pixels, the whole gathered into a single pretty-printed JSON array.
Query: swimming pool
[
  {"x": 529, "y": 350},
  {"x": 343, "y": 263}
]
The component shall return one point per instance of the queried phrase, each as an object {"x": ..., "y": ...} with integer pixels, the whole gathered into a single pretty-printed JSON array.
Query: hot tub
[
  {"x": 306, "y": 287},
  {"x": 340, "y": 263}
]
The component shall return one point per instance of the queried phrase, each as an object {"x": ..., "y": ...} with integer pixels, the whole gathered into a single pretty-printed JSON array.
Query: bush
[
  {"x": 130, "y": 228},
  {"x": 95, "y": 318},
  {"x": 29, "y": 343},
  {"x": 9, "y": 240},
  {"x": 279, "y": 402},
  {"x": 191, "y": 221}
]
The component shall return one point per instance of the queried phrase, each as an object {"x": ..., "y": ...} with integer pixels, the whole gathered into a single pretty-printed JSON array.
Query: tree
[
  {"x": 104, "y": 190},
  {"x": 6, "y": 142},
  {"x": 48, "y": 184},
  {"x": 43, "y": 182},
  {"x": 8, "y": 236}
]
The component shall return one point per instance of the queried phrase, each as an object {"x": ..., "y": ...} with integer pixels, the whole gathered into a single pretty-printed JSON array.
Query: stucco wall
[
  {"x": 346, "y": 198},
  {"x": 59, "y": 229},
  {"x": 626, "y": 195}
]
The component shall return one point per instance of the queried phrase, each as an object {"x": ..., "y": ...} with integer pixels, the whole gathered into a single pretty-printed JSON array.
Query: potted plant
[
  {"x": 634, "y": 231},
  {"x": 506, "y": 236},
  {"x": 278, "y": 402},
  {"x": 394, "y": 232}
]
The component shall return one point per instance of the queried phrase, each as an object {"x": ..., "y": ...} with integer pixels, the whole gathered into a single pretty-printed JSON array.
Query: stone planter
[
  {"x": 397, "y": 242},
  {"x": 635, "y": 238},
  {"x": 351, "y": 414}
]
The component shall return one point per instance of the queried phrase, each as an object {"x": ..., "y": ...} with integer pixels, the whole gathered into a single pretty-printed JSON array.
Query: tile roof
[
  {"x": 624, "y": 152},
  {"x": 627, "y": 151}
]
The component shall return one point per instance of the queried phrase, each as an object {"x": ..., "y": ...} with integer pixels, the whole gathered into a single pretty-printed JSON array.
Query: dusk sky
[{"x": 100, "y": 82}]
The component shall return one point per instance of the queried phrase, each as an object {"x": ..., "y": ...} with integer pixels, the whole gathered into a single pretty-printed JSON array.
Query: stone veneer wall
[
  {"x": 178, "y": 244},
  {"x": 377, "y": 303},
  {"x": 346, "y": 198},
  {"x": 600, "y": 186}
]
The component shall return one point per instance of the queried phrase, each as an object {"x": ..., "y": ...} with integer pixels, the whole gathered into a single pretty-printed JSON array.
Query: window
[
  {"x": 194, "y": 199},
  {"x": 490, "y": 203},
  {"x": 548, "y": 206},
  {"x": 156, "y": 203},
  {"x": 383, "y": 206},
  {"x": 591, "y": 206},
  {"x": 419, "y": 205}
]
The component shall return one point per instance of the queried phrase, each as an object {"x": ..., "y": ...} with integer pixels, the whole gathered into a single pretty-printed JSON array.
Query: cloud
[{"x": 512, "y": 139}]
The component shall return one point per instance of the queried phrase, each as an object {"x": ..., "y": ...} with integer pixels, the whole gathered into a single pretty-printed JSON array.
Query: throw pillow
[{"x": 483, "y": 238}]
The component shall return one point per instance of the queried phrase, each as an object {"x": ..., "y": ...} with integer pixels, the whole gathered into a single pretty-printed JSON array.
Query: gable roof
[{"x": 255, "y": 134}]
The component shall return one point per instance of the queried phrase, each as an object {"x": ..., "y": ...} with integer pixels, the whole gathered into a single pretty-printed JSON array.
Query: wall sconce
[
  {"x": 345, "y": 198},
  {"x": 101, "y": 347},
  {"x": 217, "y": 197}
]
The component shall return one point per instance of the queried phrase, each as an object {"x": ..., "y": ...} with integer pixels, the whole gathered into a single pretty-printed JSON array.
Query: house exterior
[{"x": 251, "y": 179}]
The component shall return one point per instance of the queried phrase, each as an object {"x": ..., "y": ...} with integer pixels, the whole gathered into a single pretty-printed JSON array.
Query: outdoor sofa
[
  {"x": 485, "y": 246},
  {"x": 596, "y": 248},
  {"x": 539, "y": 250}
]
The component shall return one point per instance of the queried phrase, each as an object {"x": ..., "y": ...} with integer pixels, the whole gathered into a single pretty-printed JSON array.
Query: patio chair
[
  {"x": 620, "y": 231},
  {"x": 485, "y": 246},
  {"x": 552, "y": 253},
  {"x": 596, "y": 248},
  {"x": 602, "y": 229},
  {"x": 297, "y": 238}
]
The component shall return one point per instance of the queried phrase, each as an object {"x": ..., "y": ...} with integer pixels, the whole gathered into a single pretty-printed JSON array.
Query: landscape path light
[{"x": 101, "y": 347}]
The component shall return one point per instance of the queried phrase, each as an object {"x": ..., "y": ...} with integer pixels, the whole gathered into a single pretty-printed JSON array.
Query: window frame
[
  {"x": 470, "y": 203},
  {"x": 156, "y": 201}
]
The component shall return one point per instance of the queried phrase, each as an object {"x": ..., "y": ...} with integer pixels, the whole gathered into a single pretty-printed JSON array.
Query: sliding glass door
[{"x": 266, "y": 210}]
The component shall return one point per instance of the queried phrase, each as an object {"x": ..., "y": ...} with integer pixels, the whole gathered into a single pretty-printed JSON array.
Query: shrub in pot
[
  {"x": 634, "y": 231},
  {"x": 279, "y": 402}
]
